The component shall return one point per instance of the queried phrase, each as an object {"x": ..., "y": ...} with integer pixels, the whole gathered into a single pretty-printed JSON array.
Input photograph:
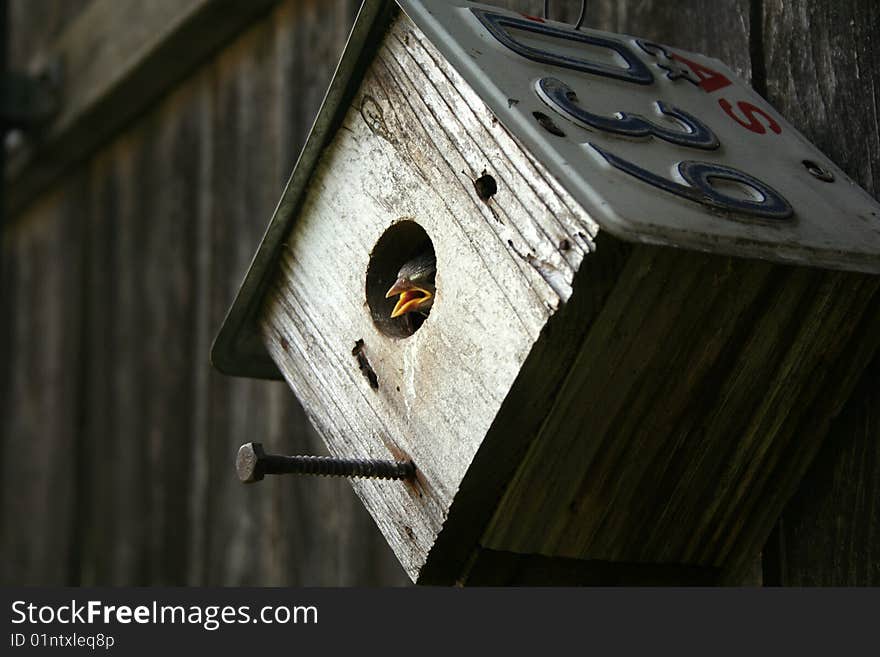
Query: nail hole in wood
[
  {"x": 486, "y": 187},
  {"x": 364, "y": 364}
]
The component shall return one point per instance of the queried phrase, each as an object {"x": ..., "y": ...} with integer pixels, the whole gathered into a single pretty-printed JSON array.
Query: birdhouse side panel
[
  {"x": 694, "y": 407},
  {"x": 407, "y": 155}
]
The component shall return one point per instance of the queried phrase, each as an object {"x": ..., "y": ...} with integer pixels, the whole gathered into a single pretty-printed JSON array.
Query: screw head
[
  {"x": 548, "y": 124},
  {"x": 818, "y": 171},
  {"x": 249, "y": 463}
]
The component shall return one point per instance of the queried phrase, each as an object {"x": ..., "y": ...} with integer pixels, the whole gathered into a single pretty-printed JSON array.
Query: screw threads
[
  {"x": 253, "y": 464},
  {"x": 328, "y": 466}
]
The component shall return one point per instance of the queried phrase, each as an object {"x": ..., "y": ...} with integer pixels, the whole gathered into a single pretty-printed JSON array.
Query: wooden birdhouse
[{"x": 640, "y": 321}]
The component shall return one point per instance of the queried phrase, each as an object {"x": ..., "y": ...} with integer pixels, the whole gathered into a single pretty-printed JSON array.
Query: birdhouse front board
[{"x": 600, "y": 353}]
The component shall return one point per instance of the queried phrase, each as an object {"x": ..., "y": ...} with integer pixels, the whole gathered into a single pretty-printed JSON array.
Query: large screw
[{"x": 253, "y": 464}]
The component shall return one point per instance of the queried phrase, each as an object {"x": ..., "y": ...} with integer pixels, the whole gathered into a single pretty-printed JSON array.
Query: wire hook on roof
[{"x": 580, "y": 20}]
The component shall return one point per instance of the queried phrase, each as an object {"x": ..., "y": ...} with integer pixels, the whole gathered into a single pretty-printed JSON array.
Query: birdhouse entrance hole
[{"x": 403, "y": 243}]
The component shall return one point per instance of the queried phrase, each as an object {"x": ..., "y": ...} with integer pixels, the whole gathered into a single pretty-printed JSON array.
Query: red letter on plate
[
  {"x": 752, "y": 113},
  {"x": 709, "y": 80}
]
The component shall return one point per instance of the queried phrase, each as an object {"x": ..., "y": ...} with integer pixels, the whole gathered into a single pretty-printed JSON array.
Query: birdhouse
[{"x": 599, "y": 293}]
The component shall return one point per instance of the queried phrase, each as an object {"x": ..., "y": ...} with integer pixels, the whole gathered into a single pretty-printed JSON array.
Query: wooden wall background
[{"x": 117, "y": 436}]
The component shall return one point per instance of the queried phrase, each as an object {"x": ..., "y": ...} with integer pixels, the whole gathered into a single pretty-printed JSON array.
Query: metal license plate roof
[{"x": 658, "y": 144}]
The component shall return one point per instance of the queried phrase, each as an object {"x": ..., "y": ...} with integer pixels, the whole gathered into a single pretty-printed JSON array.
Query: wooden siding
[
  {"x": 823, "y": 73},
  {"x": 118, "y": 436}
]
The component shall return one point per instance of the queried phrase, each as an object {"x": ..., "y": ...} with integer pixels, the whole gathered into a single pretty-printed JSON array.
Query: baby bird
[{"x": 415, "y": 285}]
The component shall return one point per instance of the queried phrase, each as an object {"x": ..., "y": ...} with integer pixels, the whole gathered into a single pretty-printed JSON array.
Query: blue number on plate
[
  {"x": 499, "y": 24},
  {"x": 699, "y": 176},
  {"x": 562, "y": 98}
]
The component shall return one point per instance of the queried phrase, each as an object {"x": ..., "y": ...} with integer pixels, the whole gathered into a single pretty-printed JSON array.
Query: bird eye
[{"x": 403, "y": 258}]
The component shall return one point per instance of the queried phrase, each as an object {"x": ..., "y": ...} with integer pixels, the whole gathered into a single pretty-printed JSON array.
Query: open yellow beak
[{"x": 411, "y": 297}]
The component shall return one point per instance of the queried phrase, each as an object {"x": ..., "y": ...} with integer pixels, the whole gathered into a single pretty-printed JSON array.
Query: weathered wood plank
[
  {"x": 388, "y": 148},
  {"x": 520, "y": 420},
  {"x": 697, "y": 334},
  {"x": 116, "y": 284},
  {"x": 39, "y": 479},
  {"x": 823, "y": 72},
  {"x": 138, "y": 358},
  {"x": 36, "y": 30},
  {"x": 827, "y": 535},
  {"x": 117, "y": 58}
]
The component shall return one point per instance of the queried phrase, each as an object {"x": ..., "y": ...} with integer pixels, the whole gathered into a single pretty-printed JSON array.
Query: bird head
[{"x": 414, "y": 286}]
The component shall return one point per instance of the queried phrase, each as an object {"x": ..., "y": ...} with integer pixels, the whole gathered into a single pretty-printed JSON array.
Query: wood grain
[
  {"x": 827, "y": 535},
  {"x": 116, "y": 283},
  {"x": 823, "y": 72},
  {"x": 662, "y": 439},
  {"x": 116, "y": 58},
  {"x": 74, "y": 386},
  {"x": 37, "y": 29},
  {"x": 520, "y": 420},
  {"x": 41, "y": 400},
  {"x": 407, "y": 149}
]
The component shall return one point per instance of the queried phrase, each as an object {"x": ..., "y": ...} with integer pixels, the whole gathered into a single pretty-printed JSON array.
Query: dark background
[{"x": 118, "y": 437}]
